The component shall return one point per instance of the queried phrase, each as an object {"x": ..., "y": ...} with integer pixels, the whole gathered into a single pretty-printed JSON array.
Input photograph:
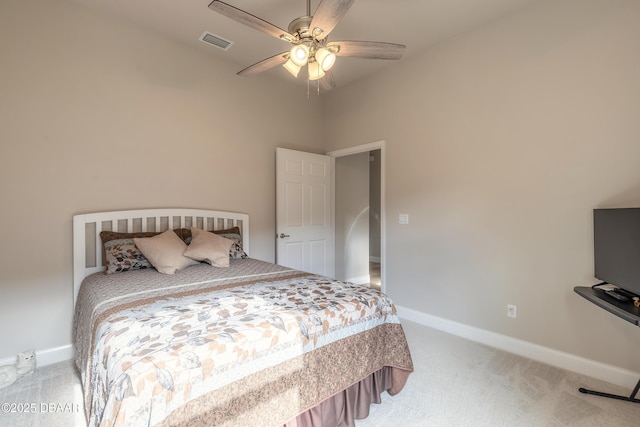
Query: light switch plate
[{"x": 403, "y": 219}]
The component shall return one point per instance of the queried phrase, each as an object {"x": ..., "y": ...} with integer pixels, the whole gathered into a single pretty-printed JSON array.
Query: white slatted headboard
[{"x": 87, "y": 246}]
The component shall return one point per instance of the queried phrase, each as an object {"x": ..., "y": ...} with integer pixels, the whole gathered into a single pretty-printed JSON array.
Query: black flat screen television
[{"x": 616, "y": 239}]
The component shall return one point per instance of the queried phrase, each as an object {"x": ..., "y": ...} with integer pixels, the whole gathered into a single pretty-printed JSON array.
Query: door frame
[{"x": 377, "y": 145}]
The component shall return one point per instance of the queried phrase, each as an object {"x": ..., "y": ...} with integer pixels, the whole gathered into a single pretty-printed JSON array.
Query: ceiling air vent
[{"x": 216, "y": 41}]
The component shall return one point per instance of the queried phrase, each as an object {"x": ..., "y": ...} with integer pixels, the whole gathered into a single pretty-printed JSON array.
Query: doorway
[{"x": 359, "y": 214}]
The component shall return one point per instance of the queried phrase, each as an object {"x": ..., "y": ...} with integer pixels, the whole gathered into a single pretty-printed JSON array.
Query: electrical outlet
[
  {"x": 512, "y": 311},
  {"x": 403, "y": 219}
]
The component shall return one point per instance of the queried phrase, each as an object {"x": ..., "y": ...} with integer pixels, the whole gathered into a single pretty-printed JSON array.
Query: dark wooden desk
[{"x": 623, "y": 309}]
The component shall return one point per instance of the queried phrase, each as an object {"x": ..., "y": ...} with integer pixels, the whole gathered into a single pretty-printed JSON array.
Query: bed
[{"x": 245, "y": 343}]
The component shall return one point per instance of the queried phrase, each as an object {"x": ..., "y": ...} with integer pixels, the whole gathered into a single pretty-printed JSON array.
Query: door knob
[{"x": 282, "y": 235}]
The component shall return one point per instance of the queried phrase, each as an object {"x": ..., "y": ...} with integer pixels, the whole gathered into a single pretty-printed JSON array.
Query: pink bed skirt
[{"x": 352, "y": 403}]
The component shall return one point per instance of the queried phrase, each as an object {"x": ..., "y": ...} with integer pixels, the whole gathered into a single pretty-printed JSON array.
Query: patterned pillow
[
  {"x": 236, "y": 250},
  {"x": 120, "y": 253},
  {"x": 123, "y": 255}
]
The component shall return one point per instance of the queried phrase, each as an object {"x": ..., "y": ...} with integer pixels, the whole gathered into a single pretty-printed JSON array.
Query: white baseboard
[
  {"x": 559, "y": 359},
  {"x": 360, "y": 280},
  {"x": 46, "y": 357}
]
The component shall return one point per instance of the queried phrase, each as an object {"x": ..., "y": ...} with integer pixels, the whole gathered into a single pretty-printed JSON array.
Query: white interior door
[{"x": 304, "y": 233}]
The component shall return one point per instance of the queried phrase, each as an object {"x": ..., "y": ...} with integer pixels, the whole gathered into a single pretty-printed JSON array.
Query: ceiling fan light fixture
[
  {"x": 325, "y": 58},
  {"x": 299, "y": 54},
  {"x": 315, "y": 71},
  {"x": 292, "y": 68},
  {"x": 308, "y": 36}
]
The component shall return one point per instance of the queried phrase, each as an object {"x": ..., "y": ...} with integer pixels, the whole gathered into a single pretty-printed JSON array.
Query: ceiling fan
[{"x": 308, "y": 35}]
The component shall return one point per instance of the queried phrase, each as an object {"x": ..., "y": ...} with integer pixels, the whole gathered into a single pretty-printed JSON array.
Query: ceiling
[{"x": 418, "y": 24}]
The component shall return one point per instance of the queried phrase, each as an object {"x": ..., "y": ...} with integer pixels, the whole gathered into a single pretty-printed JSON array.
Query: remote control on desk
[{"x": 617, "y": 295}]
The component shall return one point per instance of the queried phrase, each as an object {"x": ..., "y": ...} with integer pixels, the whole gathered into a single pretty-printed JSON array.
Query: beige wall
[
  {"x": 98, "y": 115},
  {"x": 499, "y": 143}
]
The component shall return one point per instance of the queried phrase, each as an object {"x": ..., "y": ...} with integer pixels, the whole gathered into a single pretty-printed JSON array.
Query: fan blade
[
  {"x": 369, "y": 50},
  {"x": 327, "y": 82},
  {"x": 248, "y": 19},
  {"x": 264, "y": 65},
  {"x": 327, "y": 16}
]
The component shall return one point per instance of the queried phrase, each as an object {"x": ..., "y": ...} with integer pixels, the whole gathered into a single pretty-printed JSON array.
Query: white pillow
[
  {"x": 209, "y": 247},
  {"x": 164, "y": 252}
]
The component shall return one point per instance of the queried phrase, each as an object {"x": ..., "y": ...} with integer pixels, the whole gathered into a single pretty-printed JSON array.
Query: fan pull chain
[{"x": 309, "y": 88}]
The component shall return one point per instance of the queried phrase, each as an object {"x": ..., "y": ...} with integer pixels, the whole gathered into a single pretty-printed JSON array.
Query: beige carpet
[
  {"x": 461, "y": 383},
  {"x": 456, "y": 383}
]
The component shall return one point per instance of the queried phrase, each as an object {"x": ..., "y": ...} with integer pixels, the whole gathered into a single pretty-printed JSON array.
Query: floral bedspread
[{"x": 179, "y": 356}]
